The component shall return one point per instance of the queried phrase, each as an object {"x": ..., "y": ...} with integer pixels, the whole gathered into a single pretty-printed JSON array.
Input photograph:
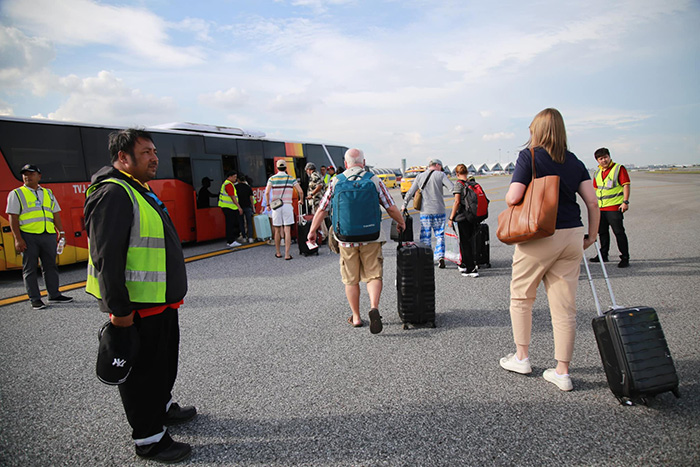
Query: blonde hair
[
  {"x": 547, "y": 130},
  {"x": 461, "y": 169}
]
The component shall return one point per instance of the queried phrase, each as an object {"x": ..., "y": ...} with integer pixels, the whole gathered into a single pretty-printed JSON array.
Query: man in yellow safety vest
[
  {"x": 612, "y": 185},
  {"x": 137, "y": 271},
  {"x": 34, "y": 221}
]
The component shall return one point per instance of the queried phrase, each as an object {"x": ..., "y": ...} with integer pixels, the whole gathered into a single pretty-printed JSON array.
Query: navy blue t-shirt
[{"x": 571, "y": 173}]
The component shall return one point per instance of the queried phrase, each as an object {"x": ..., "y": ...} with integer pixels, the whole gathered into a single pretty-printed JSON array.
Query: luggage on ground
[
  {"x": 453, "y": 250},
  {"x": 415, "y": 284},
  {"x": 481, "y": 246},
  {"x": 356, "y": 215},
  {"x": 303, "y": 226},
  {"x": 633, "y": 349},
  {"x": 261, "y": 227},
  {"x": 407, "y": 234}
]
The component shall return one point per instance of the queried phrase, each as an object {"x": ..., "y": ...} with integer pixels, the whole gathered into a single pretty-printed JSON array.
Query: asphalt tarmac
[{"x": 280, "y": 378}]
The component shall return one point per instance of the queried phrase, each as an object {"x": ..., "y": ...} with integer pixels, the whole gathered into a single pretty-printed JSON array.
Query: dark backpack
[
  {"x": 356, "y": 215},
  {"x": 476, "y": 204}
]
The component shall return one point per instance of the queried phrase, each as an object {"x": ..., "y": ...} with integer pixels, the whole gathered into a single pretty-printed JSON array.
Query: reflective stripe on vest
[
  {"x": 225, "y": 201},
  {"x": 612, "y": 195},
  {"x": 145, "y": 273},
  {"x": 35, "y": 218}
]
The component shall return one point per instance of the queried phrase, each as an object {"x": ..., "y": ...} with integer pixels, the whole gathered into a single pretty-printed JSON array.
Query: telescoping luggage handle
[{"x": 607, "y": 280}]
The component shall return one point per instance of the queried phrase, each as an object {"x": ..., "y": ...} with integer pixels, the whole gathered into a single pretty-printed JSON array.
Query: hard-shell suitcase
[
  {"x": 261, "y": 227},
  {"x": 407, "y": 234},
  {"x": 415, "y": 284},
  {"x": 481, "y": 246},
  {"x": 633, "y": 349}
]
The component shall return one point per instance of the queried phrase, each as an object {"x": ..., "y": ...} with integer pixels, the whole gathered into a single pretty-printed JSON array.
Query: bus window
[
  {"x": 229, "y": 163},
  {"x": 176, "y": 146},
  {"x": 271, "y": 149},
  {"x": 251, "y": 160},
  {"x": 55, "y": 149},
  {"x": 337, "y": 154},
  {"x": 181, "y": 169},
  {"x": 96, "y": 148}
]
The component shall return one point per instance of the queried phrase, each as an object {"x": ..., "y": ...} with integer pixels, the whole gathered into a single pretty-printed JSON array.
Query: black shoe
[
  {"x": 38, "y": 305},
  {"x": 596, "y": 259},
  {"x": 166, "y": 450},
  {"x": 624, "y": 263},
  {"x": 441, "y": 263},
  {"x": 176, "y": 414},
  {"x": 61, "y": 299},
  {"x": 375, "y": 321}
]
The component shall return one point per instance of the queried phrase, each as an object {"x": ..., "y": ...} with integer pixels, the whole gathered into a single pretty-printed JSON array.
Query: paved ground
[{"x": 279, "y": 378}]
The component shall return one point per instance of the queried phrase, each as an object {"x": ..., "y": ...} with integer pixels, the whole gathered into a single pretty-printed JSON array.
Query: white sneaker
[
  {"x": 233, "y": 244},
  {"x": 511, "y": 363},
  {"x": 461, "y": 269},
  {"x": 474, "y": 273},
  {"x": 250, "y": 240},
  {"x": 562, "y": 381}
]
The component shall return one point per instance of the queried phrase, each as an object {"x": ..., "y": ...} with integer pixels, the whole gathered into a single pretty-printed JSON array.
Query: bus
[{"x": 69, "y": 153}]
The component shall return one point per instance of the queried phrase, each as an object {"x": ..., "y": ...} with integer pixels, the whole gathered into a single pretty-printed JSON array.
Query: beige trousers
[{"x": 556, "y": 260}]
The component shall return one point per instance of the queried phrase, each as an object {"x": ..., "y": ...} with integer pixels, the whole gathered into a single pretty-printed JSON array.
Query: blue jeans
[
  {"x": 436, "y": 223},
  {"x": 246, "y": 220}
]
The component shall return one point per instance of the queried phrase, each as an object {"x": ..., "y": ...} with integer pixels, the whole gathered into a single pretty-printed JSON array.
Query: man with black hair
[
  {"x": 612, "y": 187},
  {"x": 228, "y": 202},
  {"x": 35, "y": 220},
  {"x": 137, "y": 272}
]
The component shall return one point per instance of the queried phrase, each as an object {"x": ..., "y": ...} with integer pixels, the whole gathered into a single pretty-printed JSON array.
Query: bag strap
[
  {"x": 426, "y": 180},
  {"x": 532, "y": 152}
]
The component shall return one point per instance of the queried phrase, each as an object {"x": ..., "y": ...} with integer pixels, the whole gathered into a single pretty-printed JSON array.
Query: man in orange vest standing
[{"x": 35, "y": 220}]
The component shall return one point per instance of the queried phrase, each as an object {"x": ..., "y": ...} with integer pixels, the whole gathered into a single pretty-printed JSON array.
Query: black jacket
[{"x": 108, "y": 218}]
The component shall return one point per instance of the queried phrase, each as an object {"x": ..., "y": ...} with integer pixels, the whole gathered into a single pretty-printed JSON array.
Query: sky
[{"x": 400, "y": 79}]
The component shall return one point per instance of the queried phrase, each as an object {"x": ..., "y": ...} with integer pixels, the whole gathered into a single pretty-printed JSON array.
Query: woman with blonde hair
[{"x": 554, "y": 260}]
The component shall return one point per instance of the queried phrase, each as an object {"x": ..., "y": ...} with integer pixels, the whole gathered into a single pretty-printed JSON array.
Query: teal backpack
[{"x": 356, "y": 215}]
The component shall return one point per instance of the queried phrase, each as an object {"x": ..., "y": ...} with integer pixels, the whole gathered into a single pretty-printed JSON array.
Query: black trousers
[
  {"x": 233, "y": 226},
  {"x": 466, "y": 244},
  {"x": 149, "y": 386},
  {"x": 613, "y": 219}
]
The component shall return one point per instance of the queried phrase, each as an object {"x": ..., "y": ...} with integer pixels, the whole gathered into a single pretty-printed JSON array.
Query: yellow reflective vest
[
  {"x": 609, "y": 191},
  {"x": 145, "y": 272},
  {"x": 35, "y": 217},
  {"x": 225, "y": 201}
]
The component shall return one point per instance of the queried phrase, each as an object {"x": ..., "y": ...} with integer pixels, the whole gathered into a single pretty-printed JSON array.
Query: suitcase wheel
[
  {"x": 405, "y": 326},
  {"x": 431, "y": 324},
  {"x": 676, "y": 393}
]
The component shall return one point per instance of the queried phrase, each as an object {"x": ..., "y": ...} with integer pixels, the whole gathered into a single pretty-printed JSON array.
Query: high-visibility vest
[
  {"x": 145, "y": 271},
  {"x": 35, "y": 218},
  {"x": 612, "y": 195},
  {"x": 326, "y": 179},
  {"x": 225, "y": 201}
]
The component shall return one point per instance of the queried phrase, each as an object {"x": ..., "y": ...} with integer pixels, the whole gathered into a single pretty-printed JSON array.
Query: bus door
[{"x": 207, "y": 177}]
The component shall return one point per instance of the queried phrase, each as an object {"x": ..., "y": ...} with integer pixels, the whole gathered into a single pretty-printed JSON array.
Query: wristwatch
[{"x": 626, "y": 202}]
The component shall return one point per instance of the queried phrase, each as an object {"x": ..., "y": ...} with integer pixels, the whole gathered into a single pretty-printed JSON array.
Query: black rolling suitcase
[
  {"x": 406, "y": 235},
  {"x": 481, "y": 245},
  {"x": 303, "y": 226},
  {"x": 415, "y": 284},
  {"x": 633, "y": 349}
]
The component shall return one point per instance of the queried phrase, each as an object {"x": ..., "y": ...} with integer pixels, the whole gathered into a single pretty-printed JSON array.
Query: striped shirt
[
  {"x": 282, "y": 186},
  {"x": 385, "y": 198}
]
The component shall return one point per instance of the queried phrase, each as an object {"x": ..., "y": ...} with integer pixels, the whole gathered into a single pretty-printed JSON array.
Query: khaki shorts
[{"x": 361, "y": 263}]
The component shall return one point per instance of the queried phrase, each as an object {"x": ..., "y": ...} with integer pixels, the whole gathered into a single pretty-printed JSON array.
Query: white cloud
[
  {"x": 230, "y": 99},
  {"x": 139, "y": 35},
  {"x": 6, "y": 109},
  {"x": 498, "y": 136},
  {"x": 106, "y": 99},
  {"x": 23, "y": 60}
]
